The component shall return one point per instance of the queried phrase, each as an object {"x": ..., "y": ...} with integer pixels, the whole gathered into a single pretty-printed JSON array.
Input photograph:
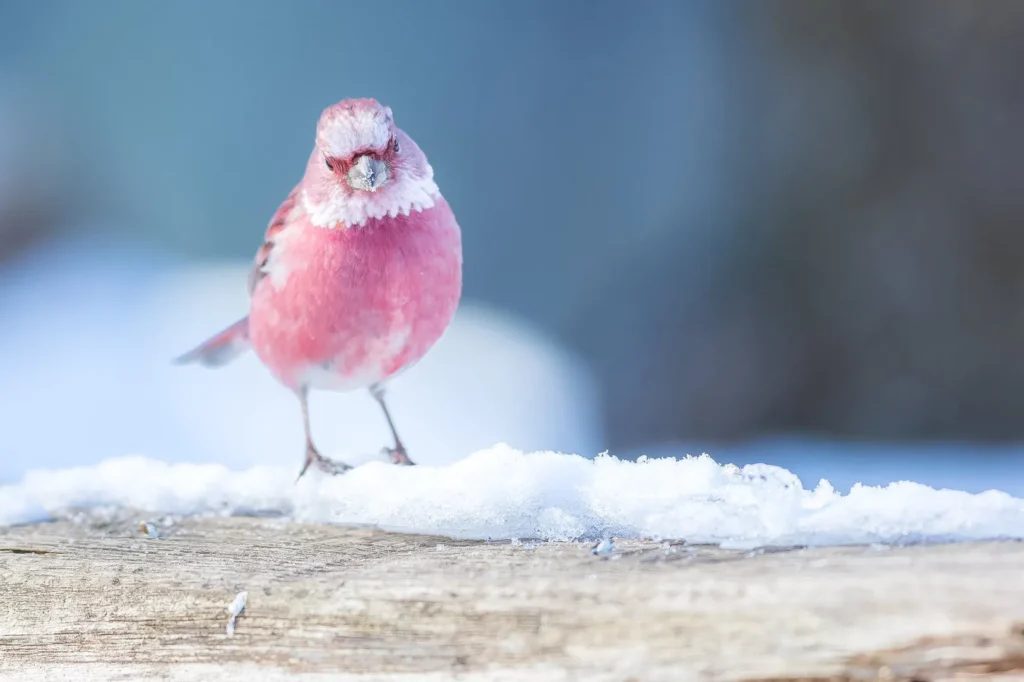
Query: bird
[{"x": 359, "y": 273}]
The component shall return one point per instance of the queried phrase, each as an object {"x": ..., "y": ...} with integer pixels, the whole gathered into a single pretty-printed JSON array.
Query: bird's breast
[{"x": 345, "y": 308}]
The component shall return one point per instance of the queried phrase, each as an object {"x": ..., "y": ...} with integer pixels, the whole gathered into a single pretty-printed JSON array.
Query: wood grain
[{"x": 92, "y": 598}]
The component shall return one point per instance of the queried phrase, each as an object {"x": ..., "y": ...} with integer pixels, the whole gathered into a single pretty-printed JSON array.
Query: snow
[
  {"x": 974, "y": 467},
  {"x": 503, "y": 493},
  {"x": 87, "y": 376},
  {"x": 234, "y": 609}
]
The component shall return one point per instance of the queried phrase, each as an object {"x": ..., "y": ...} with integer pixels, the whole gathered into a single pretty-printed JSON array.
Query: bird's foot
[
  {"x": 322, "y": 463},
  {"x": 398, "y": 456}
]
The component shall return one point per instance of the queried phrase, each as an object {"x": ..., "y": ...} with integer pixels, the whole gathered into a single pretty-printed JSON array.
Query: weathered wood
[{"x": 97, "y": 600}]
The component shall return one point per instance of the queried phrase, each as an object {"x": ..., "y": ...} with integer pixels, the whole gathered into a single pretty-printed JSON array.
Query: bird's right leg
[
  {"x": 398, "y": 454},
  {"x": 312, "y": 455}
]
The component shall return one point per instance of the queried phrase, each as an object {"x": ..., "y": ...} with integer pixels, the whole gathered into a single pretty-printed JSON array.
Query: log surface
[{"x": 93, "y": 598}]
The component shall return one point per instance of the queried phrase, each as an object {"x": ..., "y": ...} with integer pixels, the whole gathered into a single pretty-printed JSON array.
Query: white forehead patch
[{"x": 354, "y": 130}]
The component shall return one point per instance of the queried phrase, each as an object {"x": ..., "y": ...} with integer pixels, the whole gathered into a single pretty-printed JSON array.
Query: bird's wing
[{"x": 281, "y": 219}]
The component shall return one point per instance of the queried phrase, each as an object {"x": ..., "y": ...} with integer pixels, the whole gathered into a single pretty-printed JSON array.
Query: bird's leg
[
  {"x": 398, "y": 454},
  {"x": 312, "y": 456}
]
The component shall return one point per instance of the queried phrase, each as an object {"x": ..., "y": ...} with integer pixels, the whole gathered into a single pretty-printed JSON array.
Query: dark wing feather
[{"x": 277, "y": 223}]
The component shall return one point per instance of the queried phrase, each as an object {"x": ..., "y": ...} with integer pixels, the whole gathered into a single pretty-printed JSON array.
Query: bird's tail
[{"x": 221, "y": 348}]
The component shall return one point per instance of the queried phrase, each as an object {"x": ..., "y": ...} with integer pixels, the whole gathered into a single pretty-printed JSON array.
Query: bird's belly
[
  {"x": 361, "y": 357},
  {"x": 354, "y": 307}
]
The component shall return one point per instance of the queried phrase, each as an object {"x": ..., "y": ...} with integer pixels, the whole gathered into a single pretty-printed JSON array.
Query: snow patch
[
  {"x": 235, "y": 608},
  {"x": 502, "y": 493}
]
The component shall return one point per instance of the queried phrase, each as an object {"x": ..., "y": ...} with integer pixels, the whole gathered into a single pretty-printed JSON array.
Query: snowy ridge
[{"x": 501, "y": 493}]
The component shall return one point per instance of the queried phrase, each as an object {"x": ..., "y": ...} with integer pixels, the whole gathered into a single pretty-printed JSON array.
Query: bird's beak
[{"x": 368, "y": 174}]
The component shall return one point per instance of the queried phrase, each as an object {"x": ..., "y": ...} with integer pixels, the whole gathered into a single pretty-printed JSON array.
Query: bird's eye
[
  {"x": 330, "y": 164},
  {"x": 395, "y": 145}
]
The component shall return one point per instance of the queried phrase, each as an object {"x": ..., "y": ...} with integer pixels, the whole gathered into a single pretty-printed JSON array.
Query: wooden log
[{"x": 94, "y": 598}]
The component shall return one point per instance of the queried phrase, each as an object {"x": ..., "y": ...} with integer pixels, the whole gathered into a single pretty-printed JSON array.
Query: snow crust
[
  {"x": 502, "y": 493},
  {"x": 235, "y": 608}
]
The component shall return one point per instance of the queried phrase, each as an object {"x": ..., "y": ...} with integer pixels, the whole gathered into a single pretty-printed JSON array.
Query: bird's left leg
[
  {"x": 313, "y": 455},
  {"x": 398, "y": 454}
]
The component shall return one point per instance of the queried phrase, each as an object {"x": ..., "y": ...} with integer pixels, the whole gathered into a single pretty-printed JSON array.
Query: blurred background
[{"x": 774, "y": 231}]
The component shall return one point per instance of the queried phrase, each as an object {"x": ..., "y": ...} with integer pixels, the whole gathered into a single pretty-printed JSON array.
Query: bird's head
[{"x": 364, "y": 167}]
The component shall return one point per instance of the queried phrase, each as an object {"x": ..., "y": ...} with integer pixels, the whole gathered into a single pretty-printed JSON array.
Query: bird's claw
[
  {"x": 398, "y": 456},
  {"x": 322, "y": 463}
]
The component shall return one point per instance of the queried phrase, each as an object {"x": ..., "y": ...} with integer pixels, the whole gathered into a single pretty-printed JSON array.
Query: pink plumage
[{"x": 360, "y": 272}]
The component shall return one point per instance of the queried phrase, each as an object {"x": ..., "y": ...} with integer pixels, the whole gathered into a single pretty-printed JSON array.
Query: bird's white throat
[{"x": 400, "y": 196}]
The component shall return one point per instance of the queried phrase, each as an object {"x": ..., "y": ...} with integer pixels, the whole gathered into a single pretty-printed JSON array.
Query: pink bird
[{"x": 360, "y": 271}]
